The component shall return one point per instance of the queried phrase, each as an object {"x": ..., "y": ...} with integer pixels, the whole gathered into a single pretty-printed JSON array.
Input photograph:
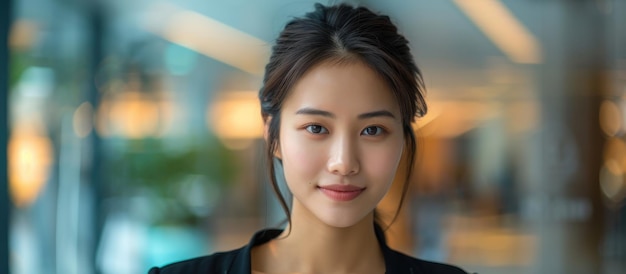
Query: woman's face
[{"x": 340, "y": 141}]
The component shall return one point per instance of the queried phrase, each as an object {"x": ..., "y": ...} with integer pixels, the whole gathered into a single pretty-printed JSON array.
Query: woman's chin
[{"x": 342, "y": 220}]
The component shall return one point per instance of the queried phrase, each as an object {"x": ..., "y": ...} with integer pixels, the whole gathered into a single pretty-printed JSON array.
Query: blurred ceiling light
[
  {"x": 235, "y": 118},
  {"x": 503, "y": 29},
  {"x": 23, "y": 34},
  {"x": 82, "y": 120},
  {"x": 30, "y": 157},
  {"x": 209, "y": 37},
  {"x": 610, "y": 118}
]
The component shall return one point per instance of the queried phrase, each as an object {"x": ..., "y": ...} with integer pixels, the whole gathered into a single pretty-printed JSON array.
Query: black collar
[
  {"x": 238, "y": 261},
  {"x": 242, "y": 262}
]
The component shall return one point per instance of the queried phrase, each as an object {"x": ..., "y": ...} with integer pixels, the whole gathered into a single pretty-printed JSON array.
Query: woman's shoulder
[
  {"x": 234, "y": 261},
  {"x": 214, "y": 263},
  {"x": 421, "y": 266}
]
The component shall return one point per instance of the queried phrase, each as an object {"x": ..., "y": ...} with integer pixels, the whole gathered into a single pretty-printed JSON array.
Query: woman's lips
[{"x": 342, "y": 193}]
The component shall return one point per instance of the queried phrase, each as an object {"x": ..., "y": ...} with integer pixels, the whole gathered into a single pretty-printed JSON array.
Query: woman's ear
[{"x": 266, "y": 136}]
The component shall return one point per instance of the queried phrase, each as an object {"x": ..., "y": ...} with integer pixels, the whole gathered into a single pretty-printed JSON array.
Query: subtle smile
[{"x": 341, "y": 193}]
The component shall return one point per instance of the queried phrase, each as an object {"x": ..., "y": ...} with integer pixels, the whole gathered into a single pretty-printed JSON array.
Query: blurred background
[{"x": 133, "y": 136}]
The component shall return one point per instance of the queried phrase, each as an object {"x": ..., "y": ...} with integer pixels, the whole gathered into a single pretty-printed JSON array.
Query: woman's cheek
[
  {"x": 300, "y": 156},
  {"x": 386, "y": 164}
]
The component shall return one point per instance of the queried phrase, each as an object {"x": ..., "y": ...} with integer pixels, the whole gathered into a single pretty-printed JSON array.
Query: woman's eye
[
  {"x": 316, "y": 129},
  {"x": 373, "y": 131}
]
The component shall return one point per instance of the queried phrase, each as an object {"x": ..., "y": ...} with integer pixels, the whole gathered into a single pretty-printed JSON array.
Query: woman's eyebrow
[
  {"x": 313, "y": 111},
  {"x": 378, "y": 113},
  {"x": 367, "y": 115}
]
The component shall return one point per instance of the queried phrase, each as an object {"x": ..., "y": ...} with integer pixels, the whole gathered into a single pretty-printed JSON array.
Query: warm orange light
[
  {"x": 615, "y": 149},
  {"x": 236, "y": 117},
  {"x": 132, "y": 115},
  {"x": 30, "y": 157},
  {"x": 135, "y": 117},
  {"x": 610, "y": 118}
]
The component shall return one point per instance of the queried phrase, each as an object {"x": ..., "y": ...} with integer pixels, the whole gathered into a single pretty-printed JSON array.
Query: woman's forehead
[{"x": 341, "y": 85}]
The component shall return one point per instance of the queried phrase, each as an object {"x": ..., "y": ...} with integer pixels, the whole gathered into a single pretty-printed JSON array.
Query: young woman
[{"x": 339, "y": 95}]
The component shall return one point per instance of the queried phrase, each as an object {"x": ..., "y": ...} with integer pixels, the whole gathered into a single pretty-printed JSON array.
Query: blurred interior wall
[
  {"x": 585, "y": 65},
  {"x": 572, "y": 87},
  {"x": 5, "y": 20}
]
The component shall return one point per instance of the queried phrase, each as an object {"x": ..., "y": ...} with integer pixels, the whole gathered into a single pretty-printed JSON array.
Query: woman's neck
[{"x": 311, "y": 246}]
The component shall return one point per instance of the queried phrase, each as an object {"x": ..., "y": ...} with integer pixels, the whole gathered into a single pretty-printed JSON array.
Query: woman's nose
[{"x": 343, "y": 158}]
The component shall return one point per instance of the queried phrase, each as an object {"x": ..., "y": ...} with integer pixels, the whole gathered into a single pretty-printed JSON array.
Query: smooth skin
[{"x": 340, "y": 124}]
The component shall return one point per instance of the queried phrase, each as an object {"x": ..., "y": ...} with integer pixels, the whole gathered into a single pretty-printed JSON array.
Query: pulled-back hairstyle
[{"x": 341, "y": 33}]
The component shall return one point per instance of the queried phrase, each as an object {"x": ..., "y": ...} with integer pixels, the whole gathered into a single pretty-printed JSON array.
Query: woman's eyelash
[
  {"x": 378, "y": 130},
  {"x": 367, "y": 131},
  {"x": 316, "y": 129}
]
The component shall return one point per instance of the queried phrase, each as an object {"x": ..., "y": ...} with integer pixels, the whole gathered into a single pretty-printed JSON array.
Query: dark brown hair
[{"x": 341, "y": 33}]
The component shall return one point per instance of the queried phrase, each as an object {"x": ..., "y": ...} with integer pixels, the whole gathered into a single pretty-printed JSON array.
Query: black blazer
[{"x": 238, "y": 261}]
